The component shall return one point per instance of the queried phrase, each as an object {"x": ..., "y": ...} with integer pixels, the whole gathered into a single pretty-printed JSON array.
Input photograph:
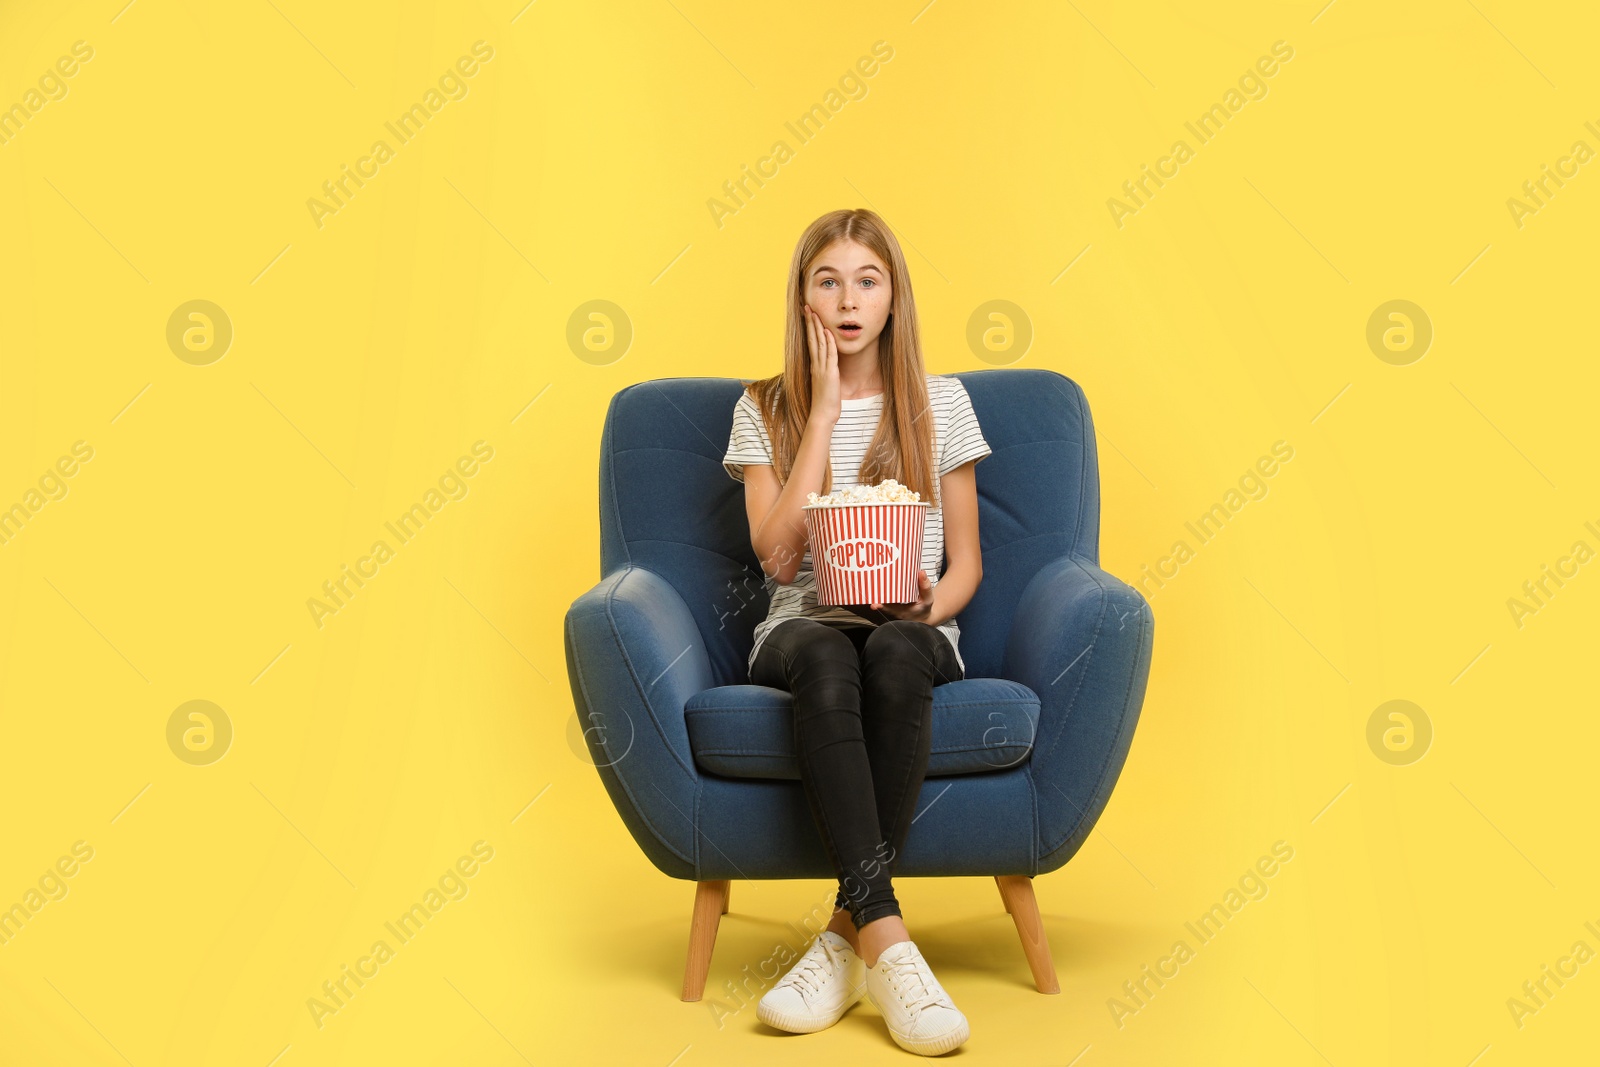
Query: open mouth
[{"x": 849, "y": 329}]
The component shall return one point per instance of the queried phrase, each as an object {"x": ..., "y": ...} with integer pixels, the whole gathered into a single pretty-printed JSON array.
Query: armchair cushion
[{"x": 747, "y": 731}]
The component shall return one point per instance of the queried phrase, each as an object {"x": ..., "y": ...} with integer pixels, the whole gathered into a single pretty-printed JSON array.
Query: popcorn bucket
[{"x": 866, "y": 553}]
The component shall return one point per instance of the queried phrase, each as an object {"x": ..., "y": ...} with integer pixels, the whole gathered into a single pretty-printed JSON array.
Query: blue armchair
[{"x": 701, "y": 764}]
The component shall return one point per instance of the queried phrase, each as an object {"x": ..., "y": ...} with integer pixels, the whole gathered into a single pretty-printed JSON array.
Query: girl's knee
[
  {"x": 902, "y": 637},
  {"x": 822, "y": 644},
  {"x": 826, "y": 658}
]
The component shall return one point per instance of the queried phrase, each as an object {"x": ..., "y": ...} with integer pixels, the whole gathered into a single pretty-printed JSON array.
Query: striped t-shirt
[{"x": 957, "y": 439}]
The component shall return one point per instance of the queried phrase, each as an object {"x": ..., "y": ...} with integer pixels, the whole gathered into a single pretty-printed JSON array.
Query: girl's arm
[
  {"x": 777, "y": 527},
  {"x": 958, "y": 492}
]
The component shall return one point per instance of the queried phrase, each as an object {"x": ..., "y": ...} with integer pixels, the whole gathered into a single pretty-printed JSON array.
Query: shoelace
[
  {"x": 814, "y": 966},
  {"x": 928, "y": 993}
]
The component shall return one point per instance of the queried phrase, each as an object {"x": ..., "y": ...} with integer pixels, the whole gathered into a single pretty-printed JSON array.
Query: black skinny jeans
[{"x": 863, "y": 724}]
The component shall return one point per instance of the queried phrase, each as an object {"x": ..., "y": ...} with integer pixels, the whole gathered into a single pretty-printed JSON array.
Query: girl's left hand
[{"x": 918, "y": 611}]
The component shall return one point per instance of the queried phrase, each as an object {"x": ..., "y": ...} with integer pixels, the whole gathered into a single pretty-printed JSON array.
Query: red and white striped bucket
[{"x": 866, "y": 553}]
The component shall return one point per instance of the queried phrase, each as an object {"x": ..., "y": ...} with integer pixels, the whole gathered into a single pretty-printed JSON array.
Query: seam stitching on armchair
[
  {"x": 1072, "y": 701},
  {"x": 789, "y": 754},
  {"x": 1106, "y": 770},
  {"x": 1070, "y": 705},
  {"x": 756, "y": 709},
  {"x": 1025, "y": 540},
  {"x": 616, "y": 508},
  {"x": 633, "y": 675},
  {"x": 1033, "y": 793},
  {"x": 699, "y": 794},
  {"x": 745, "y": 567},
  {"x": 1024, "y": 444},
  {"x": 666, "y": 448},
  {"x": 640, "y": 808},
  {"x": 1085, "y": 419}
]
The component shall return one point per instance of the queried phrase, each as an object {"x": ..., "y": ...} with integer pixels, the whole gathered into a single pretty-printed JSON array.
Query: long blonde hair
[{"x": 902, "y": 447}]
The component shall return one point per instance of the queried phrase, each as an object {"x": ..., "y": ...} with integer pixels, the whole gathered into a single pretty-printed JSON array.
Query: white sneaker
[
  {"x": 921, "y": 1016},
  {"x": 818, "y": 990}
]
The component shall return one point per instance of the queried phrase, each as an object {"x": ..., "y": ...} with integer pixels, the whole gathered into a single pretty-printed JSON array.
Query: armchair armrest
[
  {"x": 634, "y": 658},
  {"x": 1082, "y": 641}
]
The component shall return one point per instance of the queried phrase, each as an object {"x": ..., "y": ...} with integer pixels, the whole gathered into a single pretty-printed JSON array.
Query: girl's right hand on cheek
[{"x": 825, "y": 392}]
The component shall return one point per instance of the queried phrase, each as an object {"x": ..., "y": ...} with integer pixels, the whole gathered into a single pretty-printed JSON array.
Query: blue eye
[
  {"x": 868, "y": 282},
  {"x": 825, "y": 281}
]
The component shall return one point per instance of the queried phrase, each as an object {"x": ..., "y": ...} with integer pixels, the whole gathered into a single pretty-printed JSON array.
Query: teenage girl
[{"x": 854, "y": 406}]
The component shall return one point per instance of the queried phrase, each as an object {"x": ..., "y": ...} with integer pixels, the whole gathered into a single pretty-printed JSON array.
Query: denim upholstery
[{"x": 700, "y": 764}]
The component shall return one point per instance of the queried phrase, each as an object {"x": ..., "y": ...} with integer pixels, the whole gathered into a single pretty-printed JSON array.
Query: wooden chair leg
[
  {"x": 710, "y": 904},
  {"x": 1017, "y": 892}
]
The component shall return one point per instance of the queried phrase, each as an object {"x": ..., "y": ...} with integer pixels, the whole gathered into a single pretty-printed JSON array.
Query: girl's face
[{"x": 848, "y": 286}]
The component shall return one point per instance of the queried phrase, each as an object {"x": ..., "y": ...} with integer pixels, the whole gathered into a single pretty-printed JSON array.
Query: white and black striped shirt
[{"x": 957, "y": 439}]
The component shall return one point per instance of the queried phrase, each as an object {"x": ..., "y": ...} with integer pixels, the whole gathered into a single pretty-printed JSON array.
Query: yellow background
[{"x": 431, "y": 310}]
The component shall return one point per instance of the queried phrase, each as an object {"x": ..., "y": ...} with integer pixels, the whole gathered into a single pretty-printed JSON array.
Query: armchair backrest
[{"x": 668, "y": 506}]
